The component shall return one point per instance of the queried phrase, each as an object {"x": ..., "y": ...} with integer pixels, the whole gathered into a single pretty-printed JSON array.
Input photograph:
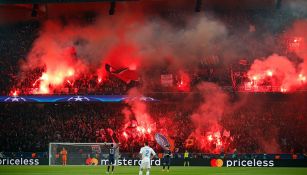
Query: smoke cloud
[
  {"x": 125, "y": 40},
  {"x": 68, "y": 48},
  {"x": 208, "y": 133}
]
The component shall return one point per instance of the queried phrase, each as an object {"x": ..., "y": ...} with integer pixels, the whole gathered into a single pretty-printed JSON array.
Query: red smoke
[
  {"x": 208, "y": 135},
  {"x": 280, "y": 72},
  {"x": 121, "y": 56},
  {"x": 67, "y": 51},
  {"x": 183, "y": 82},
  {"x": 129, "y": 39},
  {"x": 139, "y": 125},
  {"x": 53, "y": 52},
  {"x": 56, "y": 73},
  {"x": 276, "y": 71},
  {"x": 298, "y": 30}
]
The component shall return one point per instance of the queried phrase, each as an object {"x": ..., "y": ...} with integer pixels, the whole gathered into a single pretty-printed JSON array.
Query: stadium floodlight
[
  {"x": 79, "y": 153},
  {"x": 34, "y": 10},
  {"x": 55, "y": 1},
  {"x": 278, "y": 4},
  {"x": 198, "y": 6},
  {"x": 112, "y": 7}
]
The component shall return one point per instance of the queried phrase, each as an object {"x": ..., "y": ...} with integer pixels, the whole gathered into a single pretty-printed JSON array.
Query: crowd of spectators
[
  {"x": 256, "y": 127},
  {"x": 248, "y": 27},
  {"x": 83, "y": 85},
  {"x": 15, "y": 43},
  {"x": 271, "y": 127}
]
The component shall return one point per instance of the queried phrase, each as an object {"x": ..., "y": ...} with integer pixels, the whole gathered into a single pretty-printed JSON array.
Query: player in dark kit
[
  {"x": 167, "y": 158},
  {"x": 111, "y": 158}
]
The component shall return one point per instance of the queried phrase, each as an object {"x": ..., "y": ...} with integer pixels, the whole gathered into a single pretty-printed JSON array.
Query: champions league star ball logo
[
  {"x": 78, "y": 98},
  {"x": 15, "y": 99}
]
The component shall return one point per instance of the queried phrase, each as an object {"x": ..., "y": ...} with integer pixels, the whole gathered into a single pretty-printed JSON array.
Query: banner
[
  {"x": 210, "y": 60},
  {"x": 24, "y": 161},
  {"x": 167, "y": 80},
  {"x": 265, "y": 163},
  {"x": 258, "y": 163},
  {"x": 71, "y": 98}
]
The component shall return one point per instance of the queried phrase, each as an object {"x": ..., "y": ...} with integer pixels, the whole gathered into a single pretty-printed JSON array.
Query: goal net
[{"x": 79, "y": 153}]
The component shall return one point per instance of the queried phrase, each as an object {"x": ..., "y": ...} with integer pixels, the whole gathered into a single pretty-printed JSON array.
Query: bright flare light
[
  {"x": 44, "y": 76},
  {"x": 99, "y": 80},
  {"x": 210, "y": 138},
  {"x": 269, "y": 73},
  {"x": 125, "y": 135},
  {"x": 301, "y": 77},
  {"x": 255, "y": 78},
  {"x": 282, "y": 89},
  {"x": 15, "y": 93},
  {"x": 70, "y": 72}
]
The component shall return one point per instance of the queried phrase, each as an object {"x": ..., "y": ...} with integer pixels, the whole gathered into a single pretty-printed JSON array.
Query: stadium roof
[
  {"x": 209, "y": 3},
  {"x": 53, "y": 1}
]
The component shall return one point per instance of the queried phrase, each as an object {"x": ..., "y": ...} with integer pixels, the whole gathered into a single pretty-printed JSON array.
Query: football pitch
[{"x": 99, "y": 170}]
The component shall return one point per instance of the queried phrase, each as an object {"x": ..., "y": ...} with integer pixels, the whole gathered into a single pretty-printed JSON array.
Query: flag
[
  {"x": 226, "y": 133},
  {"x": 243, "y": 62},
  {"x": 124, "y": 74}
]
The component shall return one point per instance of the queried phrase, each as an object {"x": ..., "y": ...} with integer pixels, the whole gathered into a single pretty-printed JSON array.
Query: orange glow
[
  {"x": 210, "y": 138},
  {"x": 283, "y": 89},
  {"x": 43, "y": 89},
  {"x": 99, "y": 80},
  {"x": 125, "y": 134},
  {"x": 132, "y": 67},
  {"x": 44, "y": 76},
  {"x": 15, "y": 93},
  {"x": 301, "y": 77},
  {"x": 70, "y": 72}
]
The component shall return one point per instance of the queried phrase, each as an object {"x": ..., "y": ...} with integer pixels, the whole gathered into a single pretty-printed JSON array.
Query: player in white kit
[{"x": 147, "y": 154}]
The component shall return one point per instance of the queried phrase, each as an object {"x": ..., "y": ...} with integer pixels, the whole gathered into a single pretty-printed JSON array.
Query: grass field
[{"x": 82, "y": 170}]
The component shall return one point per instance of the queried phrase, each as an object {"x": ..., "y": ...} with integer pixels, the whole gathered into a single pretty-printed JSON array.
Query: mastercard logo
[
  {"x": 216, "y": 162},
  {"x": 92, "y": 161}
]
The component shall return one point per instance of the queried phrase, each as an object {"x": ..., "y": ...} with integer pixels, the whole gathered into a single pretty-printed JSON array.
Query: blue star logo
[
  {"x": 78, "y": 98},
  {"x": 15, "y": 99}
]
